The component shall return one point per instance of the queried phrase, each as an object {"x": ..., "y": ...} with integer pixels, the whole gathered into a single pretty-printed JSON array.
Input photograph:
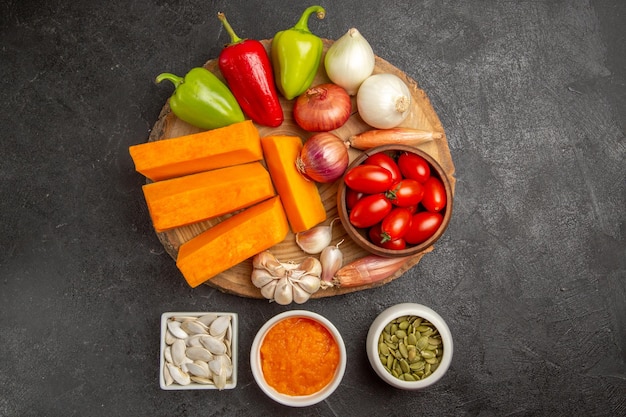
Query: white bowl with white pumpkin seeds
[
  {"x": 198, "y": 351},
  {"x": 409, "y": 346}
]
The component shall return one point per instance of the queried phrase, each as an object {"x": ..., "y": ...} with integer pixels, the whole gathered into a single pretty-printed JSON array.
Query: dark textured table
[{"x": 531, "y": 274}]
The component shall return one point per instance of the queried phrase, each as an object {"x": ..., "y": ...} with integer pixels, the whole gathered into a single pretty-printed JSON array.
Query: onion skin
[
  {"x": 324, "y": 158},
  {"x": 322, "y": 108}
]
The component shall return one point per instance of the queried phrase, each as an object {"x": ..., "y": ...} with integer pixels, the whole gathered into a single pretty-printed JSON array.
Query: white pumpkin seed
[
  {"x": 219, "y": 326},
  {"x": 194, "y": 327},
  {"x": 178, "y": 375},
  {"x": 174, "y": 327},
  {"x": 198, "y": 354},
  {"x": 178, "y": 352}
]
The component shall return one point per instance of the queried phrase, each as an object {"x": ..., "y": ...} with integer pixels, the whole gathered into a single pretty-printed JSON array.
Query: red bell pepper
[{"x": 246, "y": 66}]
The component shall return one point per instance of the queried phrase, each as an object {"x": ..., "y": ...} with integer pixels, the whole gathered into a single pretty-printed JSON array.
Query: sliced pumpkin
[
  {"x": 193, "y": 198},
  {"x": 232, "y": 241},
  {"x": 300, "y": 197}
]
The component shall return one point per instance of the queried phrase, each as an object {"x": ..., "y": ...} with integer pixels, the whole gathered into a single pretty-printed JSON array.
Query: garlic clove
[
  {"x": 283, "y": 293},
  {"x": 300, "y": 296},
  {"x": 261, "y": 277},
  {"x": 311, "y": 266},
  {"x": 314, "y": 240},
  {"x": 331, "y": 260},
  {"x": 265, "y": 260},
  {"x": 268, "y": 290},
  {"x": 309, "y": 283}
]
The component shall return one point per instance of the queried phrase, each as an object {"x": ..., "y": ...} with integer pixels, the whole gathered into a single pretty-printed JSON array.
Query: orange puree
[{"x": 299, "y": 356}]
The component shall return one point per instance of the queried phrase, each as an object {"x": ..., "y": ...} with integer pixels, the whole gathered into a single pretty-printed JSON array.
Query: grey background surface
[{"x": 530, "y": 274}]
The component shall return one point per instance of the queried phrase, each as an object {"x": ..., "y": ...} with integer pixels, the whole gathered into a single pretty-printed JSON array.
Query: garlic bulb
[{"x": 285, "y": 283}]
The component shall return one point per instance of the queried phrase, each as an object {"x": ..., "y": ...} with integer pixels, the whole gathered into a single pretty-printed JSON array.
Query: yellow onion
[
  {"x": 323, "y": 158},
  {"x": 322, "y": 108}
]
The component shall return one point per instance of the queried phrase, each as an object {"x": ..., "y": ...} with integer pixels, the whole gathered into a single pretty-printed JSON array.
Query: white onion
[
  {"x": 349, "y": 61},
  {"x": 384, "y": 101}
]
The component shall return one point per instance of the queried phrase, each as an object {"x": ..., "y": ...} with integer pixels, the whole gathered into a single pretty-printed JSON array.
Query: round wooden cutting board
[{"x": 236, "y": 280}]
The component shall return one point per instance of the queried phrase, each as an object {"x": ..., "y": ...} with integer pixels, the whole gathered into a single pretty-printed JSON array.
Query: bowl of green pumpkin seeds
[{"x": 409, "y": 346}]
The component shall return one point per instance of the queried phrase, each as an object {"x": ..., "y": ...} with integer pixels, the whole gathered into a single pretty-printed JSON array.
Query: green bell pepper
[
  {"x": 203, "y": 100},
  {"x": 296, "y": 55}
]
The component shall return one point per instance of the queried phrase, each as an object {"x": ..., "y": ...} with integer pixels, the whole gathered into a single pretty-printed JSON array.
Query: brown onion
[
  {"x": 323, "y": 158},
  {"x": 322, "y": 108}
]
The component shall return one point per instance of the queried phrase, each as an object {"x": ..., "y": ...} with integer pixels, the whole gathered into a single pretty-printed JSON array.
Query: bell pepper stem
[
  {"x": 303, "y": 23},
  {"x": 233, "y": 36},
  {"x": 175, "y": 79}
]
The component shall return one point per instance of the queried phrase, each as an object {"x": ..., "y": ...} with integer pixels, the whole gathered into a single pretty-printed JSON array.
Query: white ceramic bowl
[
  {"x": 230, "y": 383},
  {"x": 290, "y": 400},
  {"x": 408, "y": 309}
]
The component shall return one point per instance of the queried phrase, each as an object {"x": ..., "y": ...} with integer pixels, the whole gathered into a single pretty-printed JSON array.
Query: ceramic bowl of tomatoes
[{"x": 395, "y": 200}]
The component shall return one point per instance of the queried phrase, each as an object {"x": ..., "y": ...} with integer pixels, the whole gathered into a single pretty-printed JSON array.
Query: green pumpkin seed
[
  {"x": 422, "y": 342},
  {"x": 404, "y": 325},
  {"x": 417, "y": 366},
  {"x": 427, "y": 354},
  {"x": 434, "y": 341},
  {"x": 408, "y": 377},
  {"x": 400, "y": 334},
  {"x": 404, "y": 366},
  {"x": 403, "y": 350},
  {"x": 383, "y": 349},
  {"x": 411, "y": 354},
  {"x": 411, "y": 340},
  {"x": 431, "y": 360}
]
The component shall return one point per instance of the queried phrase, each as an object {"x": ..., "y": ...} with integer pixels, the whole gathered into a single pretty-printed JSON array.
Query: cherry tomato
[
  {"x": 414, "y": 166},
  {"x": 395, "y": 224},
  {"x": 434, "y": 199},
  {"x": 383, "y": 160},
  {"x": 352, "y": 197},
  {"x": 370, "y": 179},
  {"x": 374, "y": 235},
  {"x": 423, "y": 225},
  {"x": 370, "y": 210},
  {"x": 406, "y": 193}
]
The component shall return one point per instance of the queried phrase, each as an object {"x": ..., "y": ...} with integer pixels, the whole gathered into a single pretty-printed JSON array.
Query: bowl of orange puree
[{"x": 298, "y": 358}]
